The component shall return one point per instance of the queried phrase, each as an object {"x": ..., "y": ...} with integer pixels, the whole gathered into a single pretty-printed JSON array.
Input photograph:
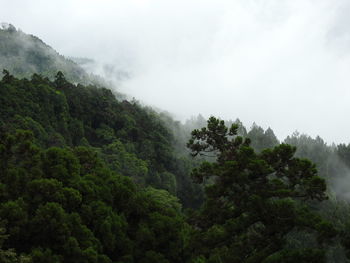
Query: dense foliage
[
  {"x": 254, "y": 201},
  {"x": 131, "y": 139},
  {"x": 66, "y": 205},
  {"x": 79, "y": 172},
  {"x": 85, "y": 177}
]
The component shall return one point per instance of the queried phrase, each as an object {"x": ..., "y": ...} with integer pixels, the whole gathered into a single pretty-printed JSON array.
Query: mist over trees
[
  {"x": 24, "y": 55},
  {"x": 86, "y": 176}
]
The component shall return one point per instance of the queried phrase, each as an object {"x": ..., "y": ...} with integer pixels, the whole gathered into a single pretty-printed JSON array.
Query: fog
[{"x": 279, "y": 63}]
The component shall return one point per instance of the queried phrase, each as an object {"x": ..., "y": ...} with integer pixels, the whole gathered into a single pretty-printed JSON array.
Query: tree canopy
[
  {"x": 255, "y": 200},
  {"x": 85, "y": 177}
]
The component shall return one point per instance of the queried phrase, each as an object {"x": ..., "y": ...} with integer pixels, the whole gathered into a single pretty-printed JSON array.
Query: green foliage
[
  {"x": 25, "y": 55},
  {"x": 253, "y": 200},
  {"x": 261, "y": 139},
  {"x": 132, "y": 140},
  {"x": 87, "y": 178},
  {"x": 313, "y": 149},
  {"x": 67, "y": 205},
  {"x": 9, "y": 255},
  {"x": 301, "y": 255}
]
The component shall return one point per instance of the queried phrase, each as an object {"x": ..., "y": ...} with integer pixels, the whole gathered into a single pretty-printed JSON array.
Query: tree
[
  {"x": 60, "y": 80},
  {"x": 343, "y": 151},
  {"x": 7, "y": 76},
  {"x": 254, "y": 200},
  {"x": 9, "y": 255},
  {"x": 262, "y": 139}
]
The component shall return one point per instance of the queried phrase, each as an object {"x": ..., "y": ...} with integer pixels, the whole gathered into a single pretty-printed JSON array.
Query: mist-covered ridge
[
  {"x": 88, "y": 177},
  {"x": 24, "y": 54}
]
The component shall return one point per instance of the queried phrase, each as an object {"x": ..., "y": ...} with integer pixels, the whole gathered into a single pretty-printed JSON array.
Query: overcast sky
[{"x": 280, "y": 63}]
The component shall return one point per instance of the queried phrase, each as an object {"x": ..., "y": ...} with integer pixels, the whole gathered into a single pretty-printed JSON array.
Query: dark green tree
[
  {"x": 9, "y": 255},
  {"x": 254, "y": 201}
]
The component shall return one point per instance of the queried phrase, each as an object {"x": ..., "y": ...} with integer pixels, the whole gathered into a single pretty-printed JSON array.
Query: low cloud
[{"x": 282, "y": 64}]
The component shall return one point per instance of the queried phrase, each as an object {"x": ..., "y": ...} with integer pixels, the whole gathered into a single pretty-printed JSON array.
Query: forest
[{"x": 88, "y": 177}]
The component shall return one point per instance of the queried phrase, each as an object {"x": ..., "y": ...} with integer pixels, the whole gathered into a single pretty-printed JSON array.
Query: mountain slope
[
  {"x": 23, "y": 55},
  {"x": 79, "y": 168}
]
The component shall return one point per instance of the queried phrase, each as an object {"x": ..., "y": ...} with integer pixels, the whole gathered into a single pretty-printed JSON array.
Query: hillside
[
  {"x": 88, "y": 178},
  {"x": 23, "y": 55}
]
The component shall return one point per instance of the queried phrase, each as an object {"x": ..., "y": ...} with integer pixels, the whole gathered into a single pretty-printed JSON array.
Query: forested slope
[
  {"x": 79, "y": 172},
  {"x": 23, "y": 55},
  {"x": 85, "y": 177},
  {"x": 75, "y": 164},
  {"x": 131, "y": 139}
]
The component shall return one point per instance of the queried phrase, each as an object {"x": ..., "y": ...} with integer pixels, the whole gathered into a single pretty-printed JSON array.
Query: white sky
[{"x": 280, "y": 63}]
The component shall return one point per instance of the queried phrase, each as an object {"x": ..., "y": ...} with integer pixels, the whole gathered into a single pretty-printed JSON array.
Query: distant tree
[
  {"x": 11, "y": 28},
  {"x": 343, "y": 152},
  {"x": 314, "y": 149},
  {"x": 60, "y": 80},
  {"x": 242, "y": 131},
  {"x": 261, "y": 139},
  {"x": 7, "y": 76}
]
